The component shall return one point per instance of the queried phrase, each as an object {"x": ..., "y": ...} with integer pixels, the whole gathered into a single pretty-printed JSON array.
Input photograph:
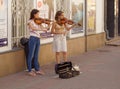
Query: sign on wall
[
  {"x": 91, "y": 17},
  {"x": 77, "y": 16},
  {"x": 3, "y": 23}
]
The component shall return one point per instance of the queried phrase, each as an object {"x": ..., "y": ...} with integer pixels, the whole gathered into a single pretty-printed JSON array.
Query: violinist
[
  {"x": 59, "y": 29},
  {"x": 34, "y": 43}
]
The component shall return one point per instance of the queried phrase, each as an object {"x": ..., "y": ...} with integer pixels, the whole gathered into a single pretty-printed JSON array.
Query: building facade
[{"x": 14, "y": 15}]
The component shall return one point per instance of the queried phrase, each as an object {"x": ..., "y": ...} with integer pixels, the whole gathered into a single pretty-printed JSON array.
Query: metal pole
[
  {"x": 116, "y": 17},
  {"x": 85, "y": 25}
]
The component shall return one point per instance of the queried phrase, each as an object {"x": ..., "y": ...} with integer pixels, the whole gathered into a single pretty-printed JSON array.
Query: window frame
[
  {"x": 8, "y": 47},
  {"x": 76, "y": 35}
]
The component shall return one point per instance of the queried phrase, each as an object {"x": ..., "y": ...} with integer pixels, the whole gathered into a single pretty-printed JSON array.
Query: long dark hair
[
  {"x": 33, "y": 12},
  {"x": 58, "y": 13}
]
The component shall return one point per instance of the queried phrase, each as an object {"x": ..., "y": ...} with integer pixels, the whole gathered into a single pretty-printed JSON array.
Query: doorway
[{"x": 112, "y": 18}]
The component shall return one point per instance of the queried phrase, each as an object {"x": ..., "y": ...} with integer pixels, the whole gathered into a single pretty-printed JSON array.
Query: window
[
  {"x": 91, "y": 17},
  {"x": 20, "y": 15},
  {"x": 5, "y": 25},
  {"x": 78, "y": 16}
]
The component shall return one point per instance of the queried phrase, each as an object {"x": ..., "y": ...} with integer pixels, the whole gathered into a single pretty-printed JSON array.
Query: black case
[{"x": 66, "y": 70}]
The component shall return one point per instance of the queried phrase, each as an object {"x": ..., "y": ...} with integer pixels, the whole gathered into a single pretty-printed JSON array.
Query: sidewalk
[{"x": 100, "y": 70}]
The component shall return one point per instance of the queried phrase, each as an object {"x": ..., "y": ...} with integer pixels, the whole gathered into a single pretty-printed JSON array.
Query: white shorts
[{"x": 59, "y": 43}]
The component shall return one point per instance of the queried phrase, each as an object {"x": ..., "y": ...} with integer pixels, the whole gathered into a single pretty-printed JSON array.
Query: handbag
[{"x": 24, "y": 41}]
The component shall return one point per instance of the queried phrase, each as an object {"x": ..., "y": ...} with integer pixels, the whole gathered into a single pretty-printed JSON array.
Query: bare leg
[
  {"x": 64, "y": 56},
  {"x": 58, "y": 57}
]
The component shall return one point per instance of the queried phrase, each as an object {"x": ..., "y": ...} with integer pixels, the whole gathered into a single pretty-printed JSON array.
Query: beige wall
[
  {"x": 95, "y": 41},
  {"x": 13, "y": 62}
]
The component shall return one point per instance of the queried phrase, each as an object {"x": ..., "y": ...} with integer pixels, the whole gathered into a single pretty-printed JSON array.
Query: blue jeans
[{"x": 34, "y": 45}]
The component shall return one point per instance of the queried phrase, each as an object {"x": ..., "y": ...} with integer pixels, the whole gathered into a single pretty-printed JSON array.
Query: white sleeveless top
[{"x": 34, "y": 33}]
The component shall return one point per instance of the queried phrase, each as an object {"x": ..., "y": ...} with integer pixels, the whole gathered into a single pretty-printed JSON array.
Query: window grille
[
  {"x": 63, "y": 5},
  {"x": 20, "y": 15}
]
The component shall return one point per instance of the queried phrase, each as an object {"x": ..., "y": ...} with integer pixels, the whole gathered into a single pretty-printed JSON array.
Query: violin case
[{"x": 65, "y": 70}]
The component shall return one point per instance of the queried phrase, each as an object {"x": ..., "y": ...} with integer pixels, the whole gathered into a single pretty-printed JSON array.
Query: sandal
[
  {"x": 31, "y": 73},
  {"x": 40, "y": 72}
]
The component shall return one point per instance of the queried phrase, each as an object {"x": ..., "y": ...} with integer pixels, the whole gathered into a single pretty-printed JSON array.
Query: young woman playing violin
[
  {"x": 59, "y": 29},
  {"x": 34, "y": 42}
]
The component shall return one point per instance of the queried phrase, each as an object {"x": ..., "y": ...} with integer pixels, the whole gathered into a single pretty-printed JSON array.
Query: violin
[
  {"x": 41, "y": 20},
  {"x": 47, "y": 21},
  {"x": 68, "y": 21},
  {"x": 65, "y": 20},
  {"x": 38, "y": 21}
]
